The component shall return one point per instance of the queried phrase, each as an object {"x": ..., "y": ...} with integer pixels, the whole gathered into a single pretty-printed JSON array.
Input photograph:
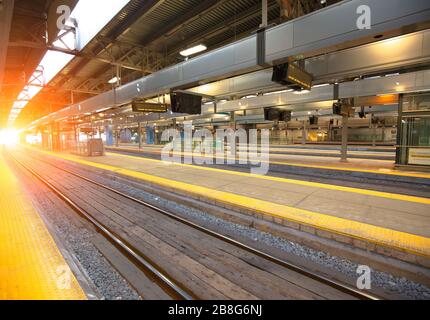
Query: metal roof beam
[
  {"x": 248, "y": 14},
  {"x": 5, "y": 24},
  {"x": 145, "y": 7},
  {"x": 171, "y": 28},
  {"x": 203, "y": 8},
  {"x": 308, "y": 36},
  {"x": 27, "y": 44}
]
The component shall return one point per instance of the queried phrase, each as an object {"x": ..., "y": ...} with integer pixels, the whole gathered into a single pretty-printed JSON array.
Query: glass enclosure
[{"x": 414, "y": 135}]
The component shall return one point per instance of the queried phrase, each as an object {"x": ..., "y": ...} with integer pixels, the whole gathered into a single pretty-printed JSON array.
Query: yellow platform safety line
[
  {"x": 31, "y": 265},
  {"x": 380, "y": 171},
  {"x": 381, "y": 194},
  {"x": 411, "y": 243}
]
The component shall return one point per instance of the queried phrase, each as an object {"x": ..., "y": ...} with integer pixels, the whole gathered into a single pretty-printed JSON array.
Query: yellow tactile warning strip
[
  {"x": 292, "y": 181},
  {"x": 382, "y": 236},
  {"x": 31, "y": 266},
  {"x": 334, "y": 168}
]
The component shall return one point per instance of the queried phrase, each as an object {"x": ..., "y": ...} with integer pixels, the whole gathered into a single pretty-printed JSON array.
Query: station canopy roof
[{"x": 142, "y": 37}]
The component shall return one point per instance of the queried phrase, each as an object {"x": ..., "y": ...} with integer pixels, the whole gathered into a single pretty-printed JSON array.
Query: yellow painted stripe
[
  {"x": 31, "y": 265},
  {"x": 404, "y": 241},
  {"x": 387, "y": 195},
  {"x": 380, "y": 171}
]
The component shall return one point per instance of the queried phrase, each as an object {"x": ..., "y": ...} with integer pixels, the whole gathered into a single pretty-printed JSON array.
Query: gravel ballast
[
  {"x": 386, "y": 281},
  {"x": 401, "y": 286},
  {"x": 105, "y": 282}
]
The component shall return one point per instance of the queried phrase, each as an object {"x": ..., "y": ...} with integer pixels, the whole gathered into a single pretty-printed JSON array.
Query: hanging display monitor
[
  {"x": 271, "y": 114},
  {"x": 275, "y": 114},
  {"x": 140, "y": 105},
  {"x": 186, "y": 103},
  {"x": 337, "y": 108},
  {"x": 344, "y": 107},
  {"x": 285, "y": 116},
  {"x": 291, "y": 75},
  {"x": 313, "y": 120}
]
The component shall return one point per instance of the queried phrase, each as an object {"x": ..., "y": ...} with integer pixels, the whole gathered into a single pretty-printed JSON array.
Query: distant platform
[
  {"x": 309, "y": 150},
  {"x": 31, "y": 265},
  {"x": 370, "y": 166}
]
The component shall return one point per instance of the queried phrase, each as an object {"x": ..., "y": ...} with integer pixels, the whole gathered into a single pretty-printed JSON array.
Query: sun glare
[{"x": 9, "y": 137}]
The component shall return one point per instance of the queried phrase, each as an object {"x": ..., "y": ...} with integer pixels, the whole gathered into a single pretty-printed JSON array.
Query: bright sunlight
[{"x": 9, "y": 137}]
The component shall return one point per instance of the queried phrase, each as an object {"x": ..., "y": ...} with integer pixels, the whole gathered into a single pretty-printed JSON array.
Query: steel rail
[
  {"x": 127, "y": 248},
  {"x": 330, "y": 282}
]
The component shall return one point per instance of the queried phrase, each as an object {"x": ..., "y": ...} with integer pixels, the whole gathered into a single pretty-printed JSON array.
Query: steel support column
[
  {"x": 139, "y": 134},
  {"x": 304, "y": 135},
  {"x": 344, "y": 147}
]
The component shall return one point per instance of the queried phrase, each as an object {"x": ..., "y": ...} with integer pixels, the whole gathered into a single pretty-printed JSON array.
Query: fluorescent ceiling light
[
  {"x": 113, "y": 80},
  {"x": 321, "y": 85},
  {"x": 193, "y": 50},
  {"x": 277, "y": 92},
  {"x": 301, "y": 92},
  {"x": 103, "y": 109}
]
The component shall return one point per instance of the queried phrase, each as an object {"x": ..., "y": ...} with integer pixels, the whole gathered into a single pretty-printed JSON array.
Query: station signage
[
  {"x": 299, "y": 76},
  {"x": 140, "y": 105},
  {"x": 53, "y": 16},
  {"x": 344, "y": 107},
  {"x": 292, "y": 75}
]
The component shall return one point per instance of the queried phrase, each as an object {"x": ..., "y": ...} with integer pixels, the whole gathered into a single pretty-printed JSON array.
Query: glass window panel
[
  {"x": 416, "y": 102},
  {"x": 416, "y": 132}
]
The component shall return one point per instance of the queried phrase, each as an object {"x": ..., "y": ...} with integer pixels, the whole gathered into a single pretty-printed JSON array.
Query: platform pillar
[
  {"x": 117, "y": 137},
  {"x": 150, "y": 135},
  {"x": 233, "y": 120},
  {"x": 45, "y": 140},
  {"x": 304, "y": 135},
  {"x": 330, "y": 131},
  {"x": 344, "y": 147},
  {"x": 139, "y": 134},
  {"x": 109, "y": 135},
  {"x": 54, "y": 132}
]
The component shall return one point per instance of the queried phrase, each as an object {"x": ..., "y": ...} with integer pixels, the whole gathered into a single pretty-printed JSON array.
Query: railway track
[{"x": 215, "y": 251}]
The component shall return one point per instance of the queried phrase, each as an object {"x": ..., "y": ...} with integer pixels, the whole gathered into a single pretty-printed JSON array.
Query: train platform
[
  {"x": 31, "y": 265},
  {"x": 396, "y": 225},
  {"x": 364, "y": 167},
  {"x": 307, "y": 151},
  {"x": 353, "y": 153}
]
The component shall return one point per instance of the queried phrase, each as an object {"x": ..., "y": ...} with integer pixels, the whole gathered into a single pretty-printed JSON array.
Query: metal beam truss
[
  {"x": 138, "y": 60},
  {"x": 291, "y": 9}
]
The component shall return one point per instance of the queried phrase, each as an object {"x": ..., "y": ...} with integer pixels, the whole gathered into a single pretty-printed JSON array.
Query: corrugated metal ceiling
[{"x": 222, "y": 22}]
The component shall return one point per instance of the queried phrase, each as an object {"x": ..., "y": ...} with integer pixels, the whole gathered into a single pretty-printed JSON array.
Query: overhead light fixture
[
  {"x": 193, "y": 50},
  {"x": 114, "y": 80},
  {"x": 301, "y": 91}
]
